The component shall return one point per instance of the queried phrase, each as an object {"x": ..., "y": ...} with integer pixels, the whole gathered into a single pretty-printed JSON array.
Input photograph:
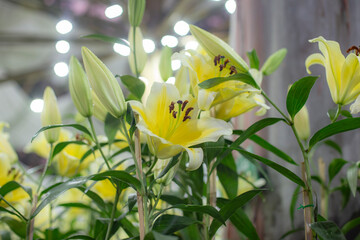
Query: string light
[
  {"x": 169, "y": 41},
  {"x": 230, "y": 6},
  {"x": 121, "y": 49},
  {"x": 181, "y": 28},
  {"x": 64, "y": 26},
  {"x": 61, "y": 69},
  {"x": 175, "y": 64},
  {"x": 149, "y": 45},
  {"x": 113, "y": 11},
  {"x": 62, "y": 46},
  {"x": 37, "y": 105}
]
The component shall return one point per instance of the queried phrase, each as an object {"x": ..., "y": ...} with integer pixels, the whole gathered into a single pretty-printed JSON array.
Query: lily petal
[
  {"x": 315, "y": 58},
  {"x": 196, "y": 156},
  {"x": 349, "y": 79}
]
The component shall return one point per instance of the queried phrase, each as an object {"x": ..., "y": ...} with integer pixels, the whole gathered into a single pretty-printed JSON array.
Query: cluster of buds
[{"x": 222, "y": 64}]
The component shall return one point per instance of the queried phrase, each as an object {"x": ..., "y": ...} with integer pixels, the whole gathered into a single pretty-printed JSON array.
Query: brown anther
[
  {"x": 174, "y": 114},
  {"x": 179, "y": 102},
  {"x": 216, "y": 60},
  {"x": 186, "y": 117},
  {"x": 233, "y": 70},
  {"x": 78, "y": 137},
  {"x": 184, "y": 105},
  {"x": 188, "y": 111},
  {"x": 222, "y": 56},
  {"x": 355, "y": 49},
  {"x": 226, "y": 62},
  {"x": 171, "y": 107},
  {"x": 221, "y": 67}
]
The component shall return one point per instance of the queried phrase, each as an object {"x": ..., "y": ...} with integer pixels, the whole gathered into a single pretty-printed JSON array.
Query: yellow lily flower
[
  {"x": 239, "y": 105},
  {"x": 68, "y": 161},
  {"x": 342, "y": 74},
  {"x": 7, "y": 174},
  {"x": 235, "y": 96},
  {"x": 5, "y": 146},
  {"x": 171, "y": 125}
]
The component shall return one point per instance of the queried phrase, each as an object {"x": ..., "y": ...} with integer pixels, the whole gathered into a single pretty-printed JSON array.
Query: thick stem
[
  {"x": 324, "y": 202},
  {"x": 97, "y": 143},
  {"x": 45, "y": 169},
  {"x": 307, "y": 209},
  {"x": 117, "y": 195},
  {"x": 141, "y": 195},
  {"x": 31, "y": 222}
]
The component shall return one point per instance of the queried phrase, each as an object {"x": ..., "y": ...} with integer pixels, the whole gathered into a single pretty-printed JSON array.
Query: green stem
[
  {"x": 276, "y": 107},
  {"x": 13, "y": 208},
  {"x": 117, "y": 195},
  {"x": 134, "y": 52},
  {"x": 337, "y": 113},
  {"x": 152, "y": 166},
  {"x": 45, "y": 169},
  {"x": 97, "y": 143},
  {"x": 157, "y": 200}
]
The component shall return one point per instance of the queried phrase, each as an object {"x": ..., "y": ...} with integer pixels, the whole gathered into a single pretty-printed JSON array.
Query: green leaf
[
  {"x": 245, "y": 135},
  {"x": 241, "y": 221},
  {"x": 61, "y": 145},
  {"x": 242, "y": 77},
  {"x": 19, "y": 228},
  {"x": 346, "y": 114},
  {"x": 106, "y": 38},
  {"x": 167, "y": 224},
  {"x": 327, "y": 230},
  {"x": 352, "y": 176},
  {"x": 205, "y": 209},
  {"x": 266, "y": 145},
  {"x": 298, "y": 94},
  {"x": 158, "y": 236},
  {"x": 134, "y": 85},
  {"x": 350, "y": 225},
  {"x": 11, "y": 186},
  {"x": 282, "y": 170},
  {"x": 211, "y": 149},
  {"x": 171, "y": 164},
  {"x": 119, "y": 175},
  {"x": 332, "y": 113},
  {"x": 274, "y": 61},
  {"x": 129, "y": 228},
  {"x": 172, "y": 200},
  {"x": 229, "y": 208},
  {"x": 2, "y": 209},
  {"x": 228, "y": 176},
  {"x": 253, "y": 59},
  {"x": 111, "y": 126},
  {"x": 95, "y": 197},
  {"x": 78, "y": 205},
  {"x": 291, "y": 232},
  {"x": 334, "y": 145},
  {"x": 334, "y": 128},
  {"x": 76, "y": 126},
  {"x": 335, "y": 167},
  {"x": 130, "y": 119},
  {"x": 294, "y": 199}
]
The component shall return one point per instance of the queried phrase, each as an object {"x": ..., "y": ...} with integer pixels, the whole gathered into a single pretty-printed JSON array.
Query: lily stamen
[
  {"x": 171, "y": 106},
  {"x": 174, "y": 114},
  {"x": 184, "y": 105},
  {"x": 355, "y": 49}
]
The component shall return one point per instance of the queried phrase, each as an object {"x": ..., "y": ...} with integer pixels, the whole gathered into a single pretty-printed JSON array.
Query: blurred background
[{"x": 37, "y": 38}]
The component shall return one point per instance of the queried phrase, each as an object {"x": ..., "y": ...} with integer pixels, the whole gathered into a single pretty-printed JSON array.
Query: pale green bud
[
  {"x": 50, "y": 115},
  {"x": 136, "y": 47},
  {"x": 136, "y": 10},
  {"x": 160, "y": 166},
  {"x": 214, "y": 46},
  {"x": 80, "y": 88},
  {"x": 99, "y": 108},
  {"x": 165, "y": 63},
  {"x": 104, "y": 84},
  {"x": 302, "y": 123}
]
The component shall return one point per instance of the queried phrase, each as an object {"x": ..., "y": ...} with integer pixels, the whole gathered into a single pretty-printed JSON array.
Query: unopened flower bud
[
  {"x": 302, "y": 124},
  {"x": 136, "y": 47},
  {"x": 136, "y": 10},
  {"x": 50, "y": 115},
  {"x": 165, "y": 63},
  {"x": 104, "y": 84},
  {"x": 159, "y": 167},
  {"x": 80, "y": 88},
  {"x": 99, "y": 109}
]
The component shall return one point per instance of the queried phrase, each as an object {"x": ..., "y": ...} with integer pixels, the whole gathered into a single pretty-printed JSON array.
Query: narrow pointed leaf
[
  {"x": 134, "y": 85},
  {"x": 282, "y": 170},
  {"x": 76, "y": 126},
  {"x": 242, "y": 77},
  {"x": 335, "y": 167},
  {"x": 106, "y": 38},
  {"x": 352, "y": 176},
  {"x": 294, "y": 199},
  {"x": 253, "y": 59},
  {"x": 228, "y": 176},
  {"x": 351, "y": 225},
  {"x": 61, "y": 145},
  {"x": 111, "y": 126},
  {"x": 334, "y": 128},
  {"x": 274, "y": 61},
  {"x": 327, "y": 230},
  {"x": 334, "y": 145},
  {"x": 167, "y": 224},
  {"x": 298, "y": 94},
  {"x": 229, "y": 208},
  {"x": 11, "y": 186}
]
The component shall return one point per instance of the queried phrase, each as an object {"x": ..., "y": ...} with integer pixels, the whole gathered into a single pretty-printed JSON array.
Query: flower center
[
  {"x": 222, "y": 62},
  {"x": 178, "y": 115}
]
